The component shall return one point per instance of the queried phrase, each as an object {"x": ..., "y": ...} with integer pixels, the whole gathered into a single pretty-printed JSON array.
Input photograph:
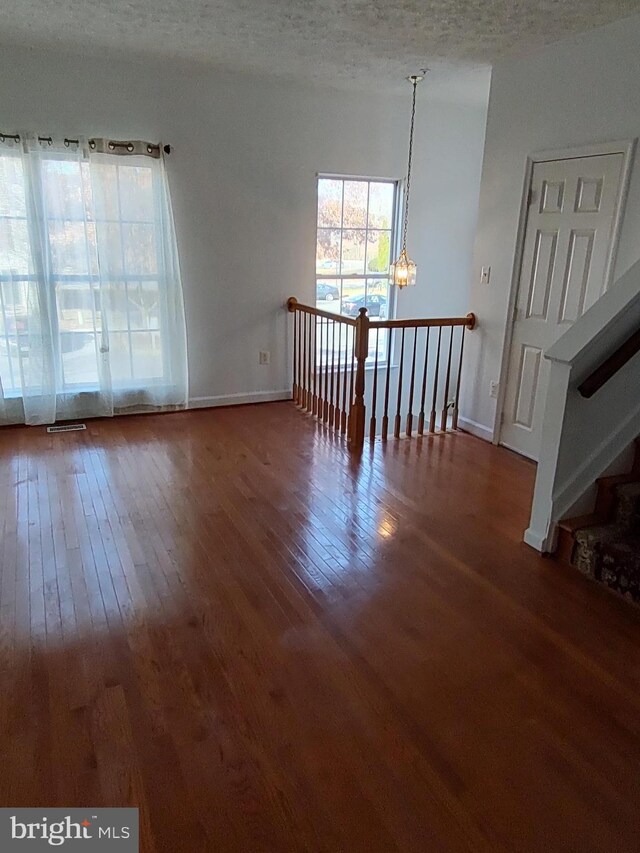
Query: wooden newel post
[
  {"x": 358, "y": 411},
  {"x": 291, "y": 307}
]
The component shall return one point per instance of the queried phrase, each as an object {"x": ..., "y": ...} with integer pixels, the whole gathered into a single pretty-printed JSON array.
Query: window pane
[
  {"x": 147, "y": 355},
  {"x": 353, "y": 297},
  {"x": 353, "y": 251},
  {"x": 111, "y": 253},
  {"x": 14, "y": 342},
  {"x": 329, "y": 203},
  {"x": 144, "y": 305},
  {"x": 106, "y": 199},
  {"x": 69, "y": 248},
  {"x": 120, "y": 358},
  {"x": 76, "y": 306},
  {"x": 380, "y": 342},
  {"x": 79, "y": 358},
  {"x": 139, "y": 242},
  {"x": 114, "y": 296},
  {"x": 328, "y": 294},
  {"x": 376, "y": 301},
  {"x": 63, "y": 193},
  {"x": 12, "y": 198},
  {"x": 381, "y": 205},
  {"x": 136, "y": 193},
  {"x": 328, "y": 251},
  {"x": 378, "y": 251},
  {"x": 14, "y": 246},
  {"x": 355, "y": 204}
]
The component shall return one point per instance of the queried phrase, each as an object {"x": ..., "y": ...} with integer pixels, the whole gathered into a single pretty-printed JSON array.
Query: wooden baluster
[
  {"x": 292, "y": 303},
  {"x": 374, "y": 393},
  {"x": 343, "y": 421},
  {"x": 309, "y": 365},
  {"x": 445, "y": 402},
  {"x": 336, "y": 420},
  {"x": 325, "y": 410},
  {"x": 303, "y": 374},
  {"x": 385, "y": 413},
  {"x": 358, "y": 410},
  {"x": 351, "y": 382},
  {"x": 411, "y": 384},
  {"x": 294, "y": 390},
  {"x": 454, "y": 422},
  {"x": 314, "y": 405},
  {"x": 301, "y": 316},
  {"x": 323, "y": 355},
  {"x": 320, "y": 370},
  {"x": 396, "y": 426},
  {"x": 332, "y": 409},
  {"x": 432, "y": 419},
  {"x": 424, "y": 384}
]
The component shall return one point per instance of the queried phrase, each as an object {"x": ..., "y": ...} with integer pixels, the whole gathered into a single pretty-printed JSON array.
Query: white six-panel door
[{"x": 567, "y": 245}]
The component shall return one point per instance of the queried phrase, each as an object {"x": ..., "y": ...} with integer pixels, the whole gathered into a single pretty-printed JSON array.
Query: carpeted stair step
[
  {"x": 589, "y": 542},
  {"x": 628, "y": 505},
  {"x": 618, "y": 566}
]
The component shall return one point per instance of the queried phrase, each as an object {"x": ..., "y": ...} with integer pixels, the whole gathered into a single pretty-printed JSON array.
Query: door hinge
[{"x": 530, "y": 196}]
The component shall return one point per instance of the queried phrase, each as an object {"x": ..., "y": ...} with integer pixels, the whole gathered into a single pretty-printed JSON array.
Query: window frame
[
  {"x": 393, "y": 239},
  {"x": 394, "y": 248},
  {"x": 58, "y": 281}
]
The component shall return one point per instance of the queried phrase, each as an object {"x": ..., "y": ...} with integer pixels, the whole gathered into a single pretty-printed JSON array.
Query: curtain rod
[{"x": 110, "y": 144}]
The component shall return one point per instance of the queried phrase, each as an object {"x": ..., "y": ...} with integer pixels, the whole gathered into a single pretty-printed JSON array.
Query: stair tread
[
  {"x": 617, "y": 479},
  {"x": 625, "y": 547},
  {"x": 626, "y": 486},
  {"x": 601, "y": 533},
  {"x": 579, "y": 521},
  {"x": 618, "y": 566},
  {"x": 629, "y": 489}
]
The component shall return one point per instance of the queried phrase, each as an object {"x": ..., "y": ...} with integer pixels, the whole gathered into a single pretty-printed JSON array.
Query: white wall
[
  {"x": 245, "y": 155},
  {"x": 579, "y": 91}
]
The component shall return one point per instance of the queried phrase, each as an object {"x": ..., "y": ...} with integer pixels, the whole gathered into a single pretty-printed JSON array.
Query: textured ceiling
[{"x": 366, "y": 42}]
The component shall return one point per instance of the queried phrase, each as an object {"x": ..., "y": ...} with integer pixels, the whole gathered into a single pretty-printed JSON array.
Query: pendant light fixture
[{"x": 403, "y": 270}]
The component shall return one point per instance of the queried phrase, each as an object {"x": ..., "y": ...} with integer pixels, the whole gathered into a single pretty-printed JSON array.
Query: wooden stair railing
[
  {"x": 331, "y": 381},
  {"x": 602, "y": 374}
]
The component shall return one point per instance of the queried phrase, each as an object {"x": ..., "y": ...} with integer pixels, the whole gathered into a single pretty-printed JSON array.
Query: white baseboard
[
  {"x": 473, "y": 427},
  {"x": 238, "y": 399}
]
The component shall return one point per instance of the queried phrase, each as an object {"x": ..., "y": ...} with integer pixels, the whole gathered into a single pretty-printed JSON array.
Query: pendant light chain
[{"x": 408, "y": 190}]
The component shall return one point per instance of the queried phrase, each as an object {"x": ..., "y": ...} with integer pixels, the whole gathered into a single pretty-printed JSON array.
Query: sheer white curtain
[{"x": 91, "y": 307}]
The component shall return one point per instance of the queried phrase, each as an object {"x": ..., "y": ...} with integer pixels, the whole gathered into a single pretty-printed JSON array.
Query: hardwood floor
[{"x": 219, "y": 617}]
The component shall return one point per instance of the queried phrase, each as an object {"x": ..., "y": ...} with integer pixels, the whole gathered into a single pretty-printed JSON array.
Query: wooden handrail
[
  {"x": 602, "y": 374},
  {"x": 334, "y": 389},
  {"x": 469, "y": 322},
  {"x": 294, "y": 305},
  {"x": 422, "y": 322}
]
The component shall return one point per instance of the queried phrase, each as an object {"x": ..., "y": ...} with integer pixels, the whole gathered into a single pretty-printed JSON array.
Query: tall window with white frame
[
  {"x": 91, "y": 316},
  {"x": 355, "y": 241}
]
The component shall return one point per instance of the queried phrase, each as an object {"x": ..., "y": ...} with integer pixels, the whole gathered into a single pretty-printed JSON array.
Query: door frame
[{"x": 627, "y": 149}]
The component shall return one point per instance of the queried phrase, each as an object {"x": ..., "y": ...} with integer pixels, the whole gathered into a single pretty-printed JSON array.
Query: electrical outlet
[
  {"x": 485, "y": 275},
  {"x": 265, "y": 357},
  {"x": 494, "y": 387}
]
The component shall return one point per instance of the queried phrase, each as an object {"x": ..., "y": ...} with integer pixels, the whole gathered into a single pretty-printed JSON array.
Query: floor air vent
[{"x": 66, "y": 427}]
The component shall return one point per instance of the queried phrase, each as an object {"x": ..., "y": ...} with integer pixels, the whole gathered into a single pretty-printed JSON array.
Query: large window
[
  {"x": 356, "y": 232},
  {"x": 88, "y": 279}
]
